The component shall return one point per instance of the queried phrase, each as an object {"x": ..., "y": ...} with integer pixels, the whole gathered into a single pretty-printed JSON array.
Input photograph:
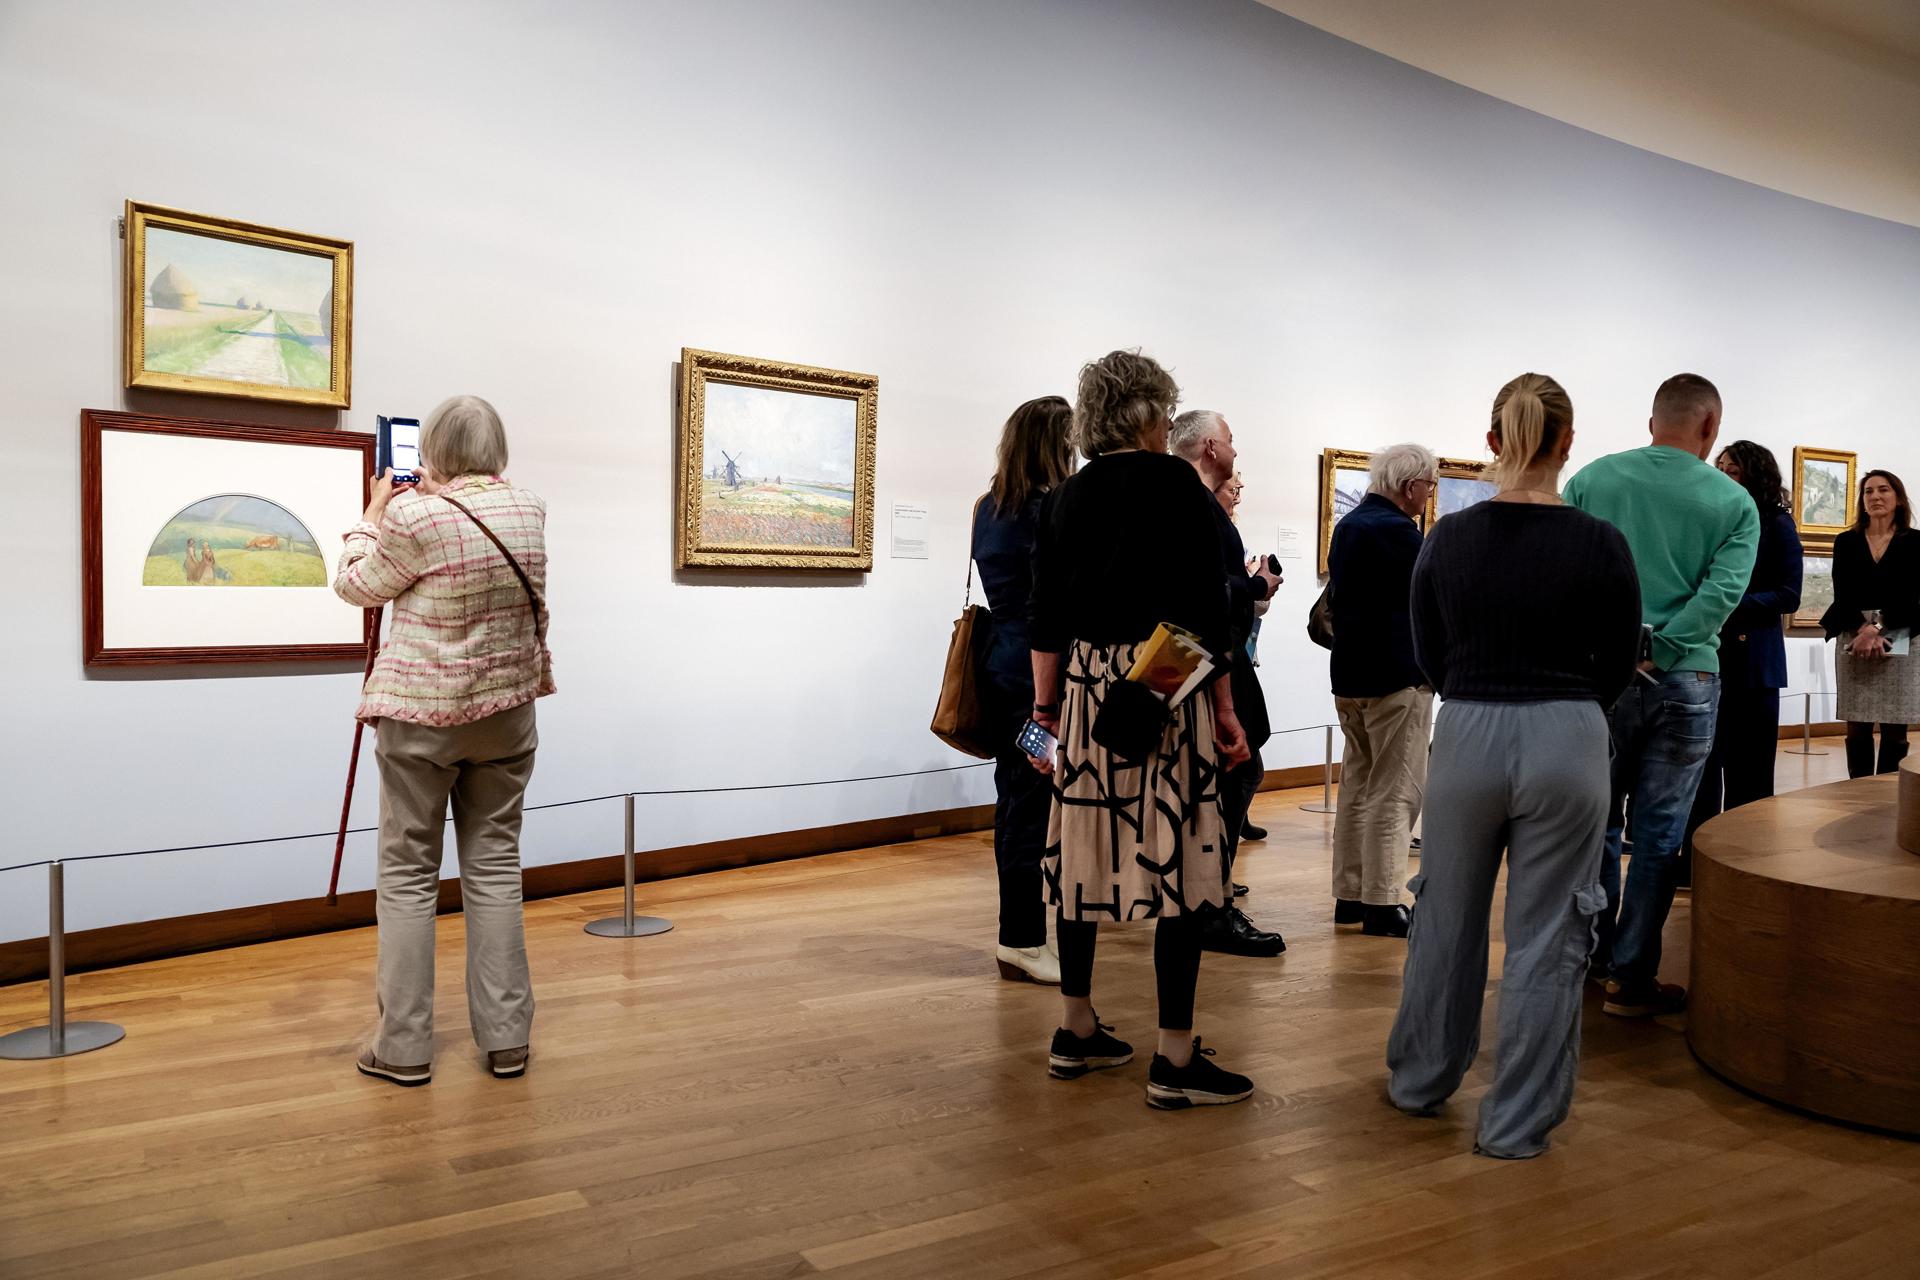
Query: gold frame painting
[
  {"x": 1332, "y": 463},
  {"x": 1453, "y": 469},
  {"x": 1821, "y": 533},
  {"x": 236, "y": 309},
  {"x": 775, "y": 465}
]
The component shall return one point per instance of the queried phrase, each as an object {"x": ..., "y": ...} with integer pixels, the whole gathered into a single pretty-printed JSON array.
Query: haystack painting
[
  {"x": 776, "y": 465},
  {"x": 229, "y": 309}
]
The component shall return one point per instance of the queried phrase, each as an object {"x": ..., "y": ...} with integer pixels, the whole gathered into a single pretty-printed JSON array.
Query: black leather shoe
[
  {"x": 1239, "y": 891},
  {"x": 1386, "y": 922},
  {"x": 1227, "y": 930},
  {"x": 1349, "y": 913},
  {"x": 1250, "y": 832}
]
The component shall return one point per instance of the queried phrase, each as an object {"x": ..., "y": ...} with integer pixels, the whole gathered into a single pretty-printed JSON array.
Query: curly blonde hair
[{"x": 1121, "y": 397}]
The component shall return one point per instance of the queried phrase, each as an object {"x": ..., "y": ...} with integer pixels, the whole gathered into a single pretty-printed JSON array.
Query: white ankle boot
[{"x": 1029, "y": 964}]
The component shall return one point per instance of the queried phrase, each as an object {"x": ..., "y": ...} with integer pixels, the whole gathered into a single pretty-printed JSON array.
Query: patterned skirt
[
  {"x": 1132, "y": 840},
  {"x": 1877, "y": 690}
]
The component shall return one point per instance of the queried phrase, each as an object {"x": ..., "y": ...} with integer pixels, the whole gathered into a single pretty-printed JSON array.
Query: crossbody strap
[{"x": 526, "y": 583}]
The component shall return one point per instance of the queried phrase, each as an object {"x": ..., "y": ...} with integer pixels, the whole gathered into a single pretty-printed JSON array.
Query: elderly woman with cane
[{"x": 463, "y": 559}]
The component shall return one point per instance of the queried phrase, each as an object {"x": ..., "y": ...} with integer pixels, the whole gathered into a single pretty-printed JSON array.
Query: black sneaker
[
  {"x": 1644, "y": 1000},
  {"x": 1250, "y": 832},
  {"x": 1198, "y": 1084},
  {"x": 1072, "y": 1056},
  {"x": 1348, "y": 913},
  {"x": 1387, "y": 922}
]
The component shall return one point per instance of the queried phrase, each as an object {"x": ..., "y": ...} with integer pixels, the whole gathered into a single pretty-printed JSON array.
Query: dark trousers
[
  {"x": 1237, "y": 790},
  {"x": 1176, "y": 964},
  {"x": 1746, "y": 743},
  {"x": 1893, "y": 748},
  {"x": 1022, "y": 804}
]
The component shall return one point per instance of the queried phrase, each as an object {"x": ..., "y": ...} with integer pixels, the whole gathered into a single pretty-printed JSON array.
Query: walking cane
[{"x": 353, "y": 761}]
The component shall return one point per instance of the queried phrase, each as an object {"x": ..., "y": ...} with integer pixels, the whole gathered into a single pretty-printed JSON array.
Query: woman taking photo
[
  {"x": 1520, "y": 766},
  {"x": 1035, "y": 455},
  {"x": 1753, "y": 646},
  {"x": 1876, "y": 602},
  {"x": 1127, "y": 543},
  {"x": 451, "y": 698}
]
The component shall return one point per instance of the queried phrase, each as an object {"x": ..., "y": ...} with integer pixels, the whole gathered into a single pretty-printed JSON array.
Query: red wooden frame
[{"x": 95, "y": 421}]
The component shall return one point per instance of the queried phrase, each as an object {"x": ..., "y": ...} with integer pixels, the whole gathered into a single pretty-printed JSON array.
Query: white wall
[{"x": 968, "y": 200}]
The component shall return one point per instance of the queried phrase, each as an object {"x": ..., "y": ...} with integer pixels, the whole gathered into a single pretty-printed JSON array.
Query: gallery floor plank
[{"x": 818, "y": 1073}]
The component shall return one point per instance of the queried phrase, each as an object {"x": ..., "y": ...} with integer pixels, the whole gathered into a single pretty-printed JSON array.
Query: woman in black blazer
[{"x": 1876, "y": 604}]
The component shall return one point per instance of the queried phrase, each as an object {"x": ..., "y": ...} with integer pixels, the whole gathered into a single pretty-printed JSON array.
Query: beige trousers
[
  {"x": 1383, "y": 780},
  {"x": 483, "y": 767}
]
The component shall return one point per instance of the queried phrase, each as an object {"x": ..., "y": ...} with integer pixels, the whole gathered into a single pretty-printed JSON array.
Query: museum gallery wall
[{"x": 1334, "y": 249}]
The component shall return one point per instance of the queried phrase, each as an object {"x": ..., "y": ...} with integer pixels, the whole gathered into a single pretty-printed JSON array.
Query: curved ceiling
[{"x": 1819, "y": 98}]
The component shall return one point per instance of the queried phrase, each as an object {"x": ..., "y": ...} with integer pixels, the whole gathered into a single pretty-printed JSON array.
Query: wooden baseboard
[
  {"x": 1821, "y": 729},
  {"x": 1304, "y": 775}
]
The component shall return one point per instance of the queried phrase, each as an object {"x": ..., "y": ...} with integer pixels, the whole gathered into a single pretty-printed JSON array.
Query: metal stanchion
[
  {"x": 1326, "y": 804},
  {"x": 626, "y": 924},
  {"x": 59, "y": 1038},
  {"x": 1806, "y": 734}
]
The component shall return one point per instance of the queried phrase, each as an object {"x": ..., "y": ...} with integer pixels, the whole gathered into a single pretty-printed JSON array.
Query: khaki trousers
[
  {"x": 1383, "y": 780},
  {"x": 483, "y": 767}
]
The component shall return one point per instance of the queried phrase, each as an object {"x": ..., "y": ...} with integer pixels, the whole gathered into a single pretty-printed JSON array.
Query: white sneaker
[{"x": 1029, "y": 964}]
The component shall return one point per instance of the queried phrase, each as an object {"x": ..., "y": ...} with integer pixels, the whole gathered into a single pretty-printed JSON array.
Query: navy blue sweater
[{"x": 1370, "y": 567}]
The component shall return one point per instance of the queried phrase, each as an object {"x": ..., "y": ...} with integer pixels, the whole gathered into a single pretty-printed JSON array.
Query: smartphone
[
  {"x": 1036, "y": 741},
  {"x": 397, "y": 448}
]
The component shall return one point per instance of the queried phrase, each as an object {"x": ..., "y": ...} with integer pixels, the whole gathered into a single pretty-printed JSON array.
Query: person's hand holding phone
[
  {"x": 383, "y": 488},
  {"x": 1040, "y": 752},
  {"x": 1267, "y": 569}
]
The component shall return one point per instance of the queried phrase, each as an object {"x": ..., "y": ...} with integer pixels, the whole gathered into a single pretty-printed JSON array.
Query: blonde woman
[
  {"x": 463, "y": 559},
  {"x": 1126, "y": 543},
  {"x": 1520, "y": 767}
]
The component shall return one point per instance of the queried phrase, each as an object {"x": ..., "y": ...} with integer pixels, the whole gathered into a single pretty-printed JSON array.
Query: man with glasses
[{"x": 1384, "y": 703}]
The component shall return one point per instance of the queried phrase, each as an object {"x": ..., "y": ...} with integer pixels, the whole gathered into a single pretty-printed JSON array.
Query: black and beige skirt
[{"x": 1132, "y": 840}]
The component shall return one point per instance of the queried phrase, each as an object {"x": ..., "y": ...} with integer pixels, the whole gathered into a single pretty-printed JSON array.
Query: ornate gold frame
[
  {"x": 1815, "y": 536},
  {"x": 1332, "y": 460},
  {"x": 1452, "y": 469},
  {"x": 139, "y": 217},
  {"x": 697, "y": 367}
]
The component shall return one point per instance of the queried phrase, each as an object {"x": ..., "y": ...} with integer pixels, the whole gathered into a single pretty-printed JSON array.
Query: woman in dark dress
[
  {"x": 1876, "y": 603},
  {"x": 1131, "y": 541},
  {"x": 1035, "y": 455}
]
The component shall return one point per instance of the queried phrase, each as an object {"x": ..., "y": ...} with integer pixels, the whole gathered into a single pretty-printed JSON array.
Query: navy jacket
[
  {"x": 1370, "y": 567},
  {"x": 1003, "y": 548},
  {"x": 1753, "y": 646},
  {"x": 1244, "y": 591}
]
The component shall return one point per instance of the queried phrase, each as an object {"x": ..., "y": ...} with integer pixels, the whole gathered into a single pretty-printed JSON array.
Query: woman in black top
[
  {"x": 1526, "y": 618},
  {"x": 1128, "y": 543},
  {"x": 1876, "y": 603},
  {"x": 1035, "y": 455}
]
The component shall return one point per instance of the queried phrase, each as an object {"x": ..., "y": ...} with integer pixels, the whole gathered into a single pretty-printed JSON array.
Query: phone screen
[
  {"x": 1036, "y": 741},
  {"x": 406, "y": 449}
]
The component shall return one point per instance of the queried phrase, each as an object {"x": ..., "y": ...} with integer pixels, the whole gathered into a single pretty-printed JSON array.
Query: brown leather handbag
[{"x": 960, "y": 719}]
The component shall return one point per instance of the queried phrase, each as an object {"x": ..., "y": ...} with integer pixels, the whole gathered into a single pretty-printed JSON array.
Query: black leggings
[
  {"x": 1893, "y": 748},
  {"x": 1176, "y": 964}
]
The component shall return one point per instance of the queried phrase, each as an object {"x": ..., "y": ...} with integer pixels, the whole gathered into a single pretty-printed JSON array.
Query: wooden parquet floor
[{"x": 818, "y": 1072}]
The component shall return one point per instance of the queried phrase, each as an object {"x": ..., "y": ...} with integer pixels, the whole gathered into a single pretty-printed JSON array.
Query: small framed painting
[
  {"x": 1823, "y": 494},
  {"x": 1462, "y": 485},
  {"x": 775, "y": 466},
  {"x": 229, "y": 308},
  {"x": 1816, "y": 595},
  {"x": 210, "y": 541},
  {"x": 1343, "y": 486}
]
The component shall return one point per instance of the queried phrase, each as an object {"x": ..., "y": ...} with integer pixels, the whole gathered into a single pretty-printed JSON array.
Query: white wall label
[
  {"x": 909, "y": 531},
  {"x": 1290, "y": 542}
]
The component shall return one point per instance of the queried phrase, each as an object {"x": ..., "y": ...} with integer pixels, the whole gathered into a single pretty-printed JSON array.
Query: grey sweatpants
[
  {"x": 483, "y": 767},
  {"x": 1529, "y": 779}
]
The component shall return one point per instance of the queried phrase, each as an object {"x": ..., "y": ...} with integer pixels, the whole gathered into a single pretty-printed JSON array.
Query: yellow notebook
[{"x": 1172, "y": 663}]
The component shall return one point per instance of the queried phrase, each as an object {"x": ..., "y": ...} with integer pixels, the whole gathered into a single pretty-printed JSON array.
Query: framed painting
[
  {"x": 1816, "y": 595},
  {"x": 775, "y": 465},
  {"x": 209, "y": 541},
  {"x": 1462, "y": 484},
  {"x": 229, "y": 308},
  {"x": 1343, "y": 486},
  {"x": 1823, "y": 494}
]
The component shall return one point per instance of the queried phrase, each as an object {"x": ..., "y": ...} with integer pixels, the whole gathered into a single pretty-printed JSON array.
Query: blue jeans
[{"x": 1662, "y": 735}]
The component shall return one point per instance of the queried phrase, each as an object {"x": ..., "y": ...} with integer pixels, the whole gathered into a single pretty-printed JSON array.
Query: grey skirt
[{"x": 1877, "y": 690}]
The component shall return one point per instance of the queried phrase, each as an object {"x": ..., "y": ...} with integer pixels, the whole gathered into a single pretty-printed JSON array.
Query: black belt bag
[{"x": 1132, "y": 720}]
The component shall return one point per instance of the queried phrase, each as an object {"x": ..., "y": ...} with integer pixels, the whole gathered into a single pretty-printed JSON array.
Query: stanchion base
[
  {"x": 616, "y": 927},
  {"x": 1317, "y": 807},
  {"x": 1803, "y": 751},
  {"x": 82, "y": 1037}
]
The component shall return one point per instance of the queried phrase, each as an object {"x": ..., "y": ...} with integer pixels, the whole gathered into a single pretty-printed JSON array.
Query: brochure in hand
[{"x": 1173, "y": 663}]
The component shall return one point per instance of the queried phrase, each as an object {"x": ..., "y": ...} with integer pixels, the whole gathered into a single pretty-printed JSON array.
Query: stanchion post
[
  {"x": 1806, "y": 733},
  {"x": 1326, "y": 804},
  {"x": 628, "y": 925},
  {"x": 59, "y": 1038}
]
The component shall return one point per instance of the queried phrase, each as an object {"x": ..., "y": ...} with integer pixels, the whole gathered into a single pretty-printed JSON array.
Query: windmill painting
[{"x": 777, "y": 464}]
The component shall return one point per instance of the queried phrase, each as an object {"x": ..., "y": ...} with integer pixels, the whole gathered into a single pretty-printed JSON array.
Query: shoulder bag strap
[{"x": 526, "y": 583}]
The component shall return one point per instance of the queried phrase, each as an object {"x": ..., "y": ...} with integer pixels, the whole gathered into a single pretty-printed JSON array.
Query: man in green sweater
[{"x": 1694, "y": 534}]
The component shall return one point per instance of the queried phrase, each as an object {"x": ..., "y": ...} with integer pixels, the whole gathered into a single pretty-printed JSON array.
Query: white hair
[
  {"x": 464, "y": 437},
  {"x": 1396, "y": 465},
  {"x": 1191, "y": 431}
]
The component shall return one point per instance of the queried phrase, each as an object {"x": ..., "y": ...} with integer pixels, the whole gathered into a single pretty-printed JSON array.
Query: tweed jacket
[{"x": 462, "y": 644}]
